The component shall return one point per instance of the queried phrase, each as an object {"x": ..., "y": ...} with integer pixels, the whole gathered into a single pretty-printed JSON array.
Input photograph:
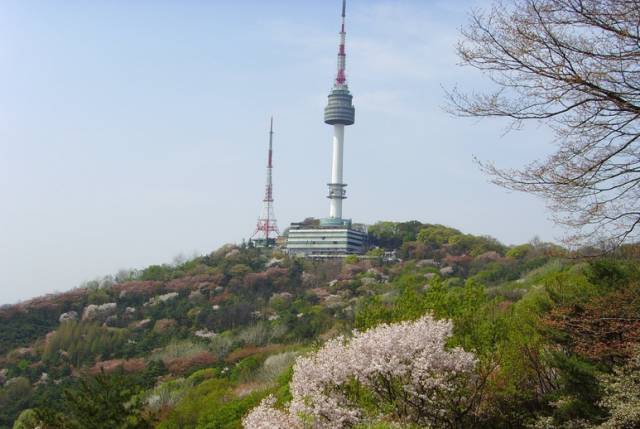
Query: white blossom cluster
[
  {"x": 622, "y": 397},
  {"x": 265, "y": 416},
  {"x": 405, "y": 362}
]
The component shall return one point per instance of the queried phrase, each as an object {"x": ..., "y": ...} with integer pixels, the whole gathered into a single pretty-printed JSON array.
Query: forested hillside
[{"x": 545, "y": 338}]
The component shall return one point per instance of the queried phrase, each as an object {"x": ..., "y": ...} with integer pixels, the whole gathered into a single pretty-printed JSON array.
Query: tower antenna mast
[{"x": 341, "y": 78}]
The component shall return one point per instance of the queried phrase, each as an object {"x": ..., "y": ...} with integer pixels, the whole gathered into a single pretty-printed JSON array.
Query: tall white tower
[
  {"x": 339, "y": 113},
  {"x": 335, "y": 236}
]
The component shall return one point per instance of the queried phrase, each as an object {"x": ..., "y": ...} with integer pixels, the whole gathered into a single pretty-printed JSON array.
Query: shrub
[
  {"x": 276, "y": 365},
  {"x": 82, "y": 343},
  {"x": 179, "y": 349},
  {"x": 186, "y": 364},
  {"x": 210, "y": 405},
  {"x": 255, "y": 335},
  {"x": 101, "y": 402},
  {"x": 28, "y": 419},
  {"x": 168, "y": 394},
  {"x": 245, "y": 369}
]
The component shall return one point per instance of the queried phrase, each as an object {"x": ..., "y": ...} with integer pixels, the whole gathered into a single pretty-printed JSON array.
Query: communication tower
[{"x": 267, "y": 227}]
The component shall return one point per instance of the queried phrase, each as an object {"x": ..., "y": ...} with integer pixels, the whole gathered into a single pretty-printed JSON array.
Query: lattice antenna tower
[{"x": 267, "y": 227}]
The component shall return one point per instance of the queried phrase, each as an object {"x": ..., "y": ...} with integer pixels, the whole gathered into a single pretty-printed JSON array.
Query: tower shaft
[{"x": 336, "y": 188}]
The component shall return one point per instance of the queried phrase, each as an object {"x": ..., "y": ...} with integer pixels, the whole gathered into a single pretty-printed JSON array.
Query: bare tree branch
[{"x": 574, "y": 65}]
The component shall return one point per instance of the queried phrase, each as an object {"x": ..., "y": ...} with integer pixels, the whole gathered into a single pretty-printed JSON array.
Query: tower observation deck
[{"x": 340, "y": 110}]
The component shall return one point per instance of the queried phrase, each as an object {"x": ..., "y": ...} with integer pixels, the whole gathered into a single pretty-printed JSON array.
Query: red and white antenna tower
[
  {"x": 267, "y": 228},
  {"x": 341, "y": 78}
]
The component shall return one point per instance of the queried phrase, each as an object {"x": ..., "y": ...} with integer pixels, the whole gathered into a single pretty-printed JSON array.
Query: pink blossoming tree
[{"x": 403, "y": 372}]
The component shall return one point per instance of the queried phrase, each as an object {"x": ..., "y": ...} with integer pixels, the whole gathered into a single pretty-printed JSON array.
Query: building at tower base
[{"x": 327, "y": 240}]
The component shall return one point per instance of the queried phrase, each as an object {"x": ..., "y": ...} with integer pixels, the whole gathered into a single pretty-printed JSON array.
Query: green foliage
[
  {"x": 21, "y": 328},
  {"x": 157, "y": 272},
  {"x": 579, "y": 388},
  {"x": 376, "y": 252},
  {"x": 239, "y": 270},
  {"x": 416, "y": 240},
  {"x": 496, "y": 272},
  {"x": 351, "y": 259},
  {"x": 228, "y": 415},
  {"x": 469, "y": 244},
  {"x": 28, "y": 419},
  {"x": 436, "y": 236},
  {"x": 81, "y": 343},
  {"x": 153, "y": 370},
  {"x": 567, "y": 288},
  {"x": 203, "y": 374},
  {"x": 101, "y": 402},
  {"x": 519, "y": 252},
  {"x": 98, "y": 296},
  {"x": 370, "y": 312},
  {"x": 612, "y": 274},
  {"x": 14, "y": 397},
  {"x": 391, "y": 235},
  {"x": 179, "y": 349},
  {"x": 509, "y": 339},
  {"x": 245, "y": 369},
  {"x": 167, "y": 394},
  {"x": 282, "y": 393},
  {"x": 22, "y": 365},
  {"x": 499, "y": 300},
  {"x": 211, "y": 405}
]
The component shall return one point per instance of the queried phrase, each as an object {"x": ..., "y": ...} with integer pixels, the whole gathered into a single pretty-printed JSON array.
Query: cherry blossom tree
[{"x": 405, "y": 369}]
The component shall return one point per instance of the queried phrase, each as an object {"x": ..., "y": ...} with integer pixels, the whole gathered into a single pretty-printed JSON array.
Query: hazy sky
[{"x": 134, "y": 131}]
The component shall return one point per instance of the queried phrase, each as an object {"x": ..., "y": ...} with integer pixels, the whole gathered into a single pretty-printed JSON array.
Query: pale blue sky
[{"x": 133, "y": 131}]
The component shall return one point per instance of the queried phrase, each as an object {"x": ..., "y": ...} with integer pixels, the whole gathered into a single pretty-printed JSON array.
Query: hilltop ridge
[{"x": 203, "y": 341}]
